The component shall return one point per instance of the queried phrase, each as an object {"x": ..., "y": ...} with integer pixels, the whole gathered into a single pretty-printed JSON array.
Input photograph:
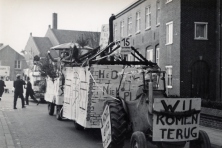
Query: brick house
[
  {"x": 40, "y": 45},
  {"x": 9, "y": 57},
  {"x": 181, "y": 37}
]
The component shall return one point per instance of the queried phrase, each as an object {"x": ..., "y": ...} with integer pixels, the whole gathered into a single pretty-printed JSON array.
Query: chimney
[
  {"x": 30, "y": 33},
  {"x": 1, "y": 44},
  {"x": 54, "y": 21}
]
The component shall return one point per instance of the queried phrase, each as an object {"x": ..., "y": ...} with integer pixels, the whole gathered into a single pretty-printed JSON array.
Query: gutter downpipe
[{"x": 219, "y": 47}]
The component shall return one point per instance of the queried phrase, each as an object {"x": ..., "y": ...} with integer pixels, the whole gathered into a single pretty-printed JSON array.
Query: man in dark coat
[
  {"x": 29, "y": 92},
  {"x": 2, "y": 85},
  {"x": 18, "y": 85}
]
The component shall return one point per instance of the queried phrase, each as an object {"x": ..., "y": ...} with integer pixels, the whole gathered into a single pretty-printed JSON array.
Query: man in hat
[
  {"x": 18, "y": 85},
  {"x": 2, "y": 85},
  {"x": 29, "y": 92}
]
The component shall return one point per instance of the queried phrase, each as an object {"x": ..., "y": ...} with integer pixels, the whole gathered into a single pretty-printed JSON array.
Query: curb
[{"x": 6, "y": 137}]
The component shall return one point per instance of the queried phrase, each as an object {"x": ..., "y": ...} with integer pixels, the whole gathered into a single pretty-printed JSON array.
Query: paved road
[{"x": 32, "y": 127}]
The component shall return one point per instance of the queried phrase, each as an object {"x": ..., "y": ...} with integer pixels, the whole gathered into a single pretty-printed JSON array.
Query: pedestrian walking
[
  {"x": 2, "y": 85},
  {"x": 29, "y": 92},
  {"x": 18, "y": 85}
]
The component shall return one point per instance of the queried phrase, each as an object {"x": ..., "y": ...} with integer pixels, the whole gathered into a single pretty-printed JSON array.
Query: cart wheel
[
  {"x": 51, "y": 108},
  {"x": 138, "y": 140},
  {"x": 202, "y": 142},
  {"x": 78, "y": 127},
  {"x": 59, "y": 112}
]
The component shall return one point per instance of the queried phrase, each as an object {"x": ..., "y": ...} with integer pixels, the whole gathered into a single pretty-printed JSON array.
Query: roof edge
[
  {"x": 130, "y": 7},
  {"x": 53, "y": 33}
]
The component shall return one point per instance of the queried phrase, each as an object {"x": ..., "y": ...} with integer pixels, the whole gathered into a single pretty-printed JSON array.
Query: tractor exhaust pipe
[{"x": 111, "y": 19}]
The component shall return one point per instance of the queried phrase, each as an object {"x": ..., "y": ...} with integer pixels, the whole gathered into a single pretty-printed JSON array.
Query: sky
[{"x": 19, "y": 18}]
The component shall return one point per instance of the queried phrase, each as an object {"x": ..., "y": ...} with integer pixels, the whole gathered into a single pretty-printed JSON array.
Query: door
[{"x": 200, "y": 80}]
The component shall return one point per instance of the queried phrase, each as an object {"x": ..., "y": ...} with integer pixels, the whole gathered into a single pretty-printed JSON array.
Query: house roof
[
  {"x": 130, "y": 7},
  {"x": 8, "y": 47},
  {"x": 44, "y": 44},
  {"x": 3, "y": 47},
  {"x": 66, "y": 36}
]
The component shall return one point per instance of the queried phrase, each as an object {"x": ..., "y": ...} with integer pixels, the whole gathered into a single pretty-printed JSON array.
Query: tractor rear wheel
[
  {"x": 138, "y": 140},
  {"x": 118, "y": 119},
  {"x": 202, "y": 142},
  {"x": 51, "y": 108}
]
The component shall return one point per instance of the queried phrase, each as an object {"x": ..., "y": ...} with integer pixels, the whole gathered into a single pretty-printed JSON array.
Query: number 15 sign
[{"x": 125, "y": 44}]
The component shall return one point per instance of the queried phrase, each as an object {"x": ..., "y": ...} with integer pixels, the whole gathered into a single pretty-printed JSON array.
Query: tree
[
  {"x": 82, "y": 41},
  {"x": 47, "y": 68},
  {"x": 89, "y": 39}
]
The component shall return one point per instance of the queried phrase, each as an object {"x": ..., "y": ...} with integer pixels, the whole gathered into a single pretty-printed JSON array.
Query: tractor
[{"x": 152, "y": 115}]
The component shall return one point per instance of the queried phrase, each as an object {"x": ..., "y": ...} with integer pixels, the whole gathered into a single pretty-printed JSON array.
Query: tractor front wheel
[
  {"x": 138, "y": 140},
  {"x": 51, "y": 108},
  {"x": 202, "y": 142}
]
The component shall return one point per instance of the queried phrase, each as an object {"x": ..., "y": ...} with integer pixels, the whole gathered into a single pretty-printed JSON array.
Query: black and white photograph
[{"x": 110, "y": 74}]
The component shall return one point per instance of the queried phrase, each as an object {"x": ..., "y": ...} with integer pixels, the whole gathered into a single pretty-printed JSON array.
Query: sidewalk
[
  {"x": 215, "y": 136},
  {"x": 6, "y": 140}
]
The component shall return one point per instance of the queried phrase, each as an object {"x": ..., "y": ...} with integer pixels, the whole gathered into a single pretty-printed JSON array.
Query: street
[{"x": 32, "y": 127}]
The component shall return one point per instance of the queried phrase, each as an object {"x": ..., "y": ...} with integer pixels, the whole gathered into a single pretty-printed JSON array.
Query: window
[
  {"x": 138, "y": 22},
  {"x": 149, "y": 55},
  {"x": 129, "y": 29},
  {"x": 167, "y": 1},
  {"x": 158, "y": 12},
  {"x": 115, "y": 32},
  {"x": 148, "y": 17},
  {"x": 18, "y": 64},
  {"x": 157, "y": 54},
  {"x": 169, "y": 76},
  {"x": 122, "y": 28},
  {"x": 124, "y": 57},
  {"x": 201, "y": 30},
  {"x": 130, "y": 57},
  {"x": 135, "y": 59},
  {"x": 169, "y": 33}
]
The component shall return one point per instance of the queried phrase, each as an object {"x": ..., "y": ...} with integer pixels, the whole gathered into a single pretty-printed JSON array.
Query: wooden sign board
[
  {"x": 104, "y": 36},
  {"x": 167, "y": 127},
  {"x": 106, "y": 127}
]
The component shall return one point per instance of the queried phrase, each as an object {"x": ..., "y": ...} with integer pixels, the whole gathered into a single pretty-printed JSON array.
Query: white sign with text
[
  {"x": 106, "y": 128},
  {"x": 176, "y": 119}
]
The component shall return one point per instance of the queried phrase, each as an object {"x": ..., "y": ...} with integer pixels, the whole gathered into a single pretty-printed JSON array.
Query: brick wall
[
  {"x": 156, "y": 35},
  {"x": 193, "y": 50}
]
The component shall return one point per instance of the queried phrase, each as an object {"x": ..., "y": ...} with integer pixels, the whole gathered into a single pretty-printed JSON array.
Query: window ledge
[
  {"x": 148, "y": 28},
  {"x": 129, "y": 35},
  {"x": 138, "y": 32},
  {"x": 168, "y": 2},
  {"x": 157, "y": 25},
  {"x": 200, "y": 38},
  {"x": 168, "y": 44},
  {"x": 169, "y": 86}
]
